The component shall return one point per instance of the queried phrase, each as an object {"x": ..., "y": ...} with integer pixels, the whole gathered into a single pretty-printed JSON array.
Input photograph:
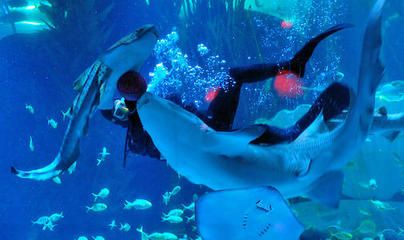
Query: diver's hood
[{"x": 129, "y": 53}]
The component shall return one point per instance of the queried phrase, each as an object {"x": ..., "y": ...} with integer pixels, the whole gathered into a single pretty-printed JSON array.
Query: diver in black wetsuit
[{"x": 222, "y": 109}]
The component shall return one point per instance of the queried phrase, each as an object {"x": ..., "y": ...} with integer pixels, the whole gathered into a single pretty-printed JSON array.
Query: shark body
[
  {"x": 96, "y": 87},
  {"x": 310, "y": 165}
]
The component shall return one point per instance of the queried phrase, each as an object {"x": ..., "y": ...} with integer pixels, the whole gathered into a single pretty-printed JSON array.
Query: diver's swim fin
[
  {"x": 299, "y": 61},
  {"x": 260, "y": 72}
]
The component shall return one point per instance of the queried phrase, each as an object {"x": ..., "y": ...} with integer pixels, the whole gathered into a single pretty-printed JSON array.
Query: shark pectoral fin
[
  {"x": 327, "y": 189},
  {"x": 223, "y": 142},
  {"x": 249, "y": 133},
  {"x": 391, "y": 136}
]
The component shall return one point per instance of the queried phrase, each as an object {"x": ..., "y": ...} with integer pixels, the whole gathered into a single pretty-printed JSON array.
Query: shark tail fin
[
  {"x": 299, "y": 61},
  {"x": 42, "y": 174},
  {"x": 391, "y": 136}
]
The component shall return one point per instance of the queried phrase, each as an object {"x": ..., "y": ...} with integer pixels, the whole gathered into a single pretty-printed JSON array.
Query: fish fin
[
  {"x": 95, "y": 196},
  {"x": 223, "y": 142},
  {"x": 327, "y": 189},
  {"x": 391, "y": 136},
  {"x": 250, "y": 132}
]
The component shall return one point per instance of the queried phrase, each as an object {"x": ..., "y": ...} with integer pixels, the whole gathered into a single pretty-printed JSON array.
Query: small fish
[
  {"x": 67, "y": 114},
  {"x": 31, "y": 144},
  {"x": 41, "y": 220},
  {"x": 104, "y": 152},
  {"x": 97, "y": 207},
  {"x": 364, "y": 212},
  {"x": 174, "y": 212},
  {"x": 102, "y": 194},
  {"x": 124, "y": 227},
  {"x": 49, "y": 225},
  {"x": 112, "y": 225},
  {"x": 381, "y": 205},
  {"x": 102, "y": 156},
  {"x": 52, "y": 123},
  {"x": 172, "y": 219},
  {"x": 190, "y": 207},
  {"x": 56, "y": 217},
  {"x": 139, "y": 204},
  {"x": 166, "y": 198},
  {"x": 82, "y": 238},
  {"x": 30, "y": 108},
  {"x": 192, "y": 218},
  {"x": 175, "y": 190},
  {"x": 98, "y": 238}
]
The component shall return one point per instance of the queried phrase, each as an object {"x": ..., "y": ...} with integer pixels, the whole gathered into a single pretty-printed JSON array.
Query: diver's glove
[{"x": 121, "y": 112}]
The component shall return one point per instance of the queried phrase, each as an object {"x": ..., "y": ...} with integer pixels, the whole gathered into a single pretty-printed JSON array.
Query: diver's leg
[
  {"x": 296, "y": 65},
  {"x": 331, "y": 102},
  {"x": 222, "y": 109}
]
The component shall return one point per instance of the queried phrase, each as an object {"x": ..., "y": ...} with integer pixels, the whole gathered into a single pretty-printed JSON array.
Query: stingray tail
[{"x": 299, "y": 61}]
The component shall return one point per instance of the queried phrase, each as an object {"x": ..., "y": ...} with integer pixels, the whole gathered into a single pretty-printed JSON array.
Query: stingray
[
  {"x": 256, "y": 213},
  {"x": 311, "y": 165},
  {"x": 96, "y": 87}
]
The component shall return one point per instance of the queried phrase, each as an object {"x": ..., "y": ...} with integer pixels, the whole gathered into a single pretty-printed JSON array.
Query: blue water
[{"x": 39, "y": 69}]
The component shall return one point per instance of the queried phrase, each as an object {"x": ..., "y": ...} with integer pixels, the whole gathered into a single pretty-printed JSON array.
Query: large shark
[
  {"x": 309, "y": 166},
  {"x": 96, "y": 86}
]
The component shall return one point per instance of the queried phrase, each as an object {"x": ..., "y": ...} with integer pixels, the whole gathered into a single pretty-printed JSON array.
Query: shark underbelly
[{"x": 214, "y": 159}]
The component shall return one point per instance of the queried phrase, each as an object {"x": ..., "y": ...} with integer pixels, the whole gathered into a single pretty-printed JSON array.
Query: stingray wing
[{"x": 256, "y": 213}]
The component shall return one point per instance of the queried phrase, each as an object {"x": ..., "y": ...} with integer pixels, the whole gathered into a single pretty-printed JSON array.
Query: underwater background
[{"x": 204, "y": 38}]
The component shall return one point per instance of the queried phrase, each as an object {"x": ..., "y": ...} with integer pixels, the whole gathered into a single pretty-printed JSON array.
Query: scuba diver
[{"x": 222, "y": 109}]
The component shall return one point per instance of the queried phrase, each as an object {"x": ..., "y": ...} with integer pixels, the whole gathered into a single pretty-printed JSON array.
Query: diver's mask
[{"x": 121, "y": 112}]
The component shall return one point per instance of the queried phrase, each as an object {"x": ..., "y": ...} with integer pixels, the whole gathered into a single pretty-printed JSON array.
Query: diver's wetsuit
[{"x": 222, "y": 109}]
